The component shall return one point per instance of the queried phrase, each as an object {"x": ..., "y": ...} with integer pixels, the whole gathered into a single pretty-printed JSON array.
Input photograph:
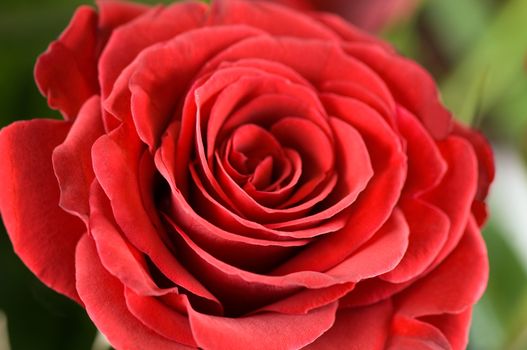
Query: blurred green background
[{"x": 475, "y": 49}]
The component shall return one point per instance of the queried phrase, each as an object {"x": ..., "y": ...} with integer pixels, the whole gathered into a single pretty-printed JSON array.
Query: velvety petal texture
[
  {"x": 43, "y": 235},
  {"x": 241, "y": 175}
]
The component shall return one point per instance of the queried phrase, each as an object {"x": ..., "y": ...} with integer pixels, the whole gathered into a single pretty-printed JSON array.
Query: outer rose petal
[
  {"x": 269, "y": 18},
  {"x": 116, "y": 254},
  {"x": 409, "y": 333},
  {"x": 162, "y": 317},
  {"x": 114, "y": 13},
  {"x": 421, "y": 97},
  {"x": 454, "y": 195},
  {"x": 428, "y": 233},
  {"x": 485, "y": 158},
  {"x": 433, "y": 310},
  {"x": 157, "y": 25},
  {"x": 485, "y": 168},
  {"x": 261, "y": 331},
  {"x": 457, "y": 283},
  {"x": 455, "y": 327},
  {"x": 72, "y": 159},
  {"x": 357, "y": 329},
  {"x": 104, "y": 299},
  {"x": 44, "y": 236},
  {"x": 66, "y": 73}
]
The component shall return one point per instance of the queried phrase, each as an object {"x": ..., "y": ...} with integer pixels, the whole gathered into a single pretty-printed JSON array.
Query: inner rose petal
[
  {"x": 315, "y": 148},
  {"x": 260, "y": 99},
  {"x": 208, "y": 208},
  {"x": 354, "y": 171},
  {"x": 368, "y": 213},
  {"x": 262, "y": 164},
  {"x": 254, "y": 140},
  {"x": 224, "y": 105},
  {"x": 256, "y": 144},
  {"x": 263, "y": 173},
  {"x": 276, "y": 193},
  {"x": 254, "y": 209}
]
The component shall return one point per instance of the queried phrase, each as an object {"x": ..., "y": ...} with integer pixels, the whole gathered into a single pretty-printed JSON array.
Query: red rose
[
  {"x": 243, "y": 176},
  {"x": 371, "y": 15}
]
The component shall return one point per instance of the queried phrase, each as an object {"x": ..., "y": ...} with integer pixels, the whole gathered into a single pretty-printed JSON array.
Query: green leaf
[{"x": 498, "y": 53}]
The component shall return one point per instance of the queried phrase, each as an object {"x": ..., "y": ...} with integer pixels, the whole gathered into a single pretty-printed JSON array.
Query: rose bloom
[
  {"x": 371, "y": 15},
  {"x": 244, "y": 176}
]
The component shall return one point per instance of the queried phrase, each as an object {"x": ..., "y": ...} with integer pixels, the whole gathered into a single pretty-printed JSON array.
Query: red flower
[{"x": 247, "y": 177}]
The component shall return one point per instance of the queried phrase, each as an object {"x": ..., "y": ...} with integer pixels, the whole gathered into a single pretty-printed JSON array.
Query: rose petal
[
  {"x": 231, "y": 85},
  {"x": 428, "y": 233},
  {"x": 311, "y": 142},
  {"x": 457, "y": 283},
  {"x": 181, "y": 211},
  {"x": 115, "y": 160},
  {"x": 355, "y": 90},
  {"x": 409, "y": 333},
  {"x": 371, "y": 291},
  {"x": 230, "y": 283},
  {"x": 72, "y": 160},
  {"x": 115, "y": 13},
  {"x": 317, "y": 160},
  {"x": 308, "y": 299},
  {"x": 421, "y": 97},
  {"x": 455, "y": 194},
  {"x": 381, "y": 254},
  {"x": 244, "y": 252},
  {"x": 265, "y": 215},
  {"x": 117, "y": 255},
  {"x": 426, "y": 166},
  {"x": 43, "y": 235},
  {"x": 485, "y": 169},
  {"x": 262, "y": 331},
  {"x": 164, "y": 72},
  {"x": 268, "y": 17},
  {"x": 160, "y": 318},
  {"x": 224, "y": 217},
  {"x": 455, "y": 327},
  {"x": 283, "y": 186},
  {"x": 315, "y": 67},
  {"x": 357, "y": 329},
  {"x": 156, "y": 25},
  {"x": 484, "y": 155},
  {"x": 67, "y": 72},
  {"x": 375, "y": 204},
  {"x": 354, "y": 171},
  {"x": 263, "y": 109},
  {"x": 103, "y": 297}
]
